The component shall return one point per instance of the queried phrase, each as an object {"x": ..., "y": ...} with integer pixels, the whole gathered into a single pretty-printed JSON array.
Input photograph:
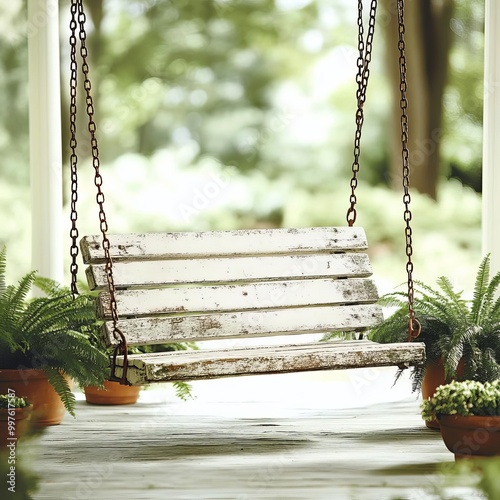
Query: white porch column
[
  {"x": 45, "y": 138},
  {"x": 491, "y": 135}
]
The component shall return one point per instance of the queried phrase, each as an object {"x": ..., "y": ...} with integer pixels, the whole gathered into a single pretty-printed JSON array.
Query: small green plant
[
  {"x": 50, "y": 333},
  {"x": 464, "y": 398},
  {"x": 453, "y": 329},
  {"x": 10, "y": 401}
]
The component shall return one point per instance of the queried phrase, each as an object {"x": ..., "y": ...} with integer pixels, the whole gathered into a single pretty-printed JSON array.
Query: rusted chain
[
  {"x": 413, "y": 324},
  {"x": 73, "y": 160},
  {"x": 78, "y": 19},
  {"x": 362, "y": 76}
]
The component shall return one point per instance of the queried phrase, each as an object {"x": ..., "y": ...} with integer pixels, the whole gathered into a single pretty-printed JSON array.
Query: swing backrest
[{"x": 197, "y": 286}]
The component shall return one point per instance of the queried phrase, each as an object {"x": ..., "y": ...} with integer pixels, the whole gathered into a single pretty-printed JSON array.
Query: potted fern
[
  {"x": 45, "y": 343},
  {"x": 461, "y": 337},
  {"x": 469, "y": 417}
]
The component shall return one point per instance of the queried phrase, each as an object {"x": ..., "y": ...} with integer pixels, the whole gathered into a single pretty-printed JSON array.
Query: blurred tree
[
  {"x": 259, "y": 84},
  {"x": 428, "y": 43},
  {"x": 445, "y": 70},
  {"x": 463, "y": 100},
  {"x": 198, "y": 73}
]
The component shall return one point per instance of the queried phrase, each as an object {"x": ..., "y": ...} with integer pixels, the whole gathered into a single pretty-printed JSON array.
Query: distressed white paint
[
  {"x": 240, "y": 297},
  {"x": 226, "y": 243},
  {"x": 192, "y": 365},
  {"x": 159, "y": 330},
  {"x": 270, "y": 282},
  {"x": 225, "y": 270},
  {"x": 45, "y": 138},
  {"x": 491, "y": 135}
]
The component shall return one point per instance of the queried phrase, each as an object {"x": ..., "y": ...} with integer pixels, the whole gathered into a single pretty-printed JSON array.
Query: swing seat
[{"x": 239, "y": 286}]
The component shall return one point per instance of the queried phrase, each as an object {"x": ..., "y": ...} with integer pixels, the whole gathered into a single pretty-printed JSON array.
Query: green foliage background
[{"x": 231, "y": 113}]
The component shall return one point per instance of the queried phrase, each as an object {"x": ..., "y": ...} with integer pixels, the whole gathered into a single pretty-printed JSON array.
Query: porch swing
[{"x": 169, "y": 287}]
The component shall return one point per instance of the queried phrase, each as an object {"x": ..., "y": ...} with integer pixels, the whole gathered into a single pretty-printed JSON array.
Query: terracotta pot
[
  {"x": 433, "y": 378},
  {"x": 48, "y": 409},
  {"x": 113, "y": 394},
  {"x": 471, "y": 436},
  {"x": 11, "y": 430}
]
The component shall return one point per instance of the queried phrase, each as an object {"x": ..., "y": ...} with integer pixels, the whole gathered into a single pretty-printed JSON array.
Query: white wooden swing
[{"x": 193, "y": 286}]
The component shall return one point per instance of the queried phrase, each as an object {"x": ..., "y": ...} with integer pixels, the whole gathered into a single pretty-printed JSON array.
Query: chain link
[
  {"x": 78, "y": 19},
  {"x": 413, "y": 324},
  {"x": 362, "y": 76}
]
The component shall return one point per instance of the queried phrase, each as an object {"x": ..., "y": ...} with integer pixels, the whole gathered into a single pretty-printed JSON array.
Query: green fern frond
[
  {"x": 489, "y": 367},
  {"x": 49, "y": 286},
  {"x": 12, "y": 311},
  {"x": 49, "y": 313},
  {"x": 446, "y": 287},
  {"x": 392, "y": 329},
  {"x": 429, "y": 293},
  {"x": 183, "y": 390},
  {"x": 72, "y": 353},
  {"x": 62, "y": 388},
  {"x": 461, "y": 341},
  {"x": 395, "y": 299},
  {"x": 486, "y": 304},
  {"x": 444, "y": 305},
  {"x": 480, "y": 287},
  {"x": 495, "y": 311},
  {"x": 14, "y": 297},
  {"x": 417, "y": 377},
  {"x": 454, "y": 299}
]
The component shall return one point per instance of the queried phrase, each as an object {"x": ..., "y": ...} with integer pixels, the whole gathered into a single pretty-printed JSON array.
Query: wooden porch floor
[{"x": 237, "y": 449}]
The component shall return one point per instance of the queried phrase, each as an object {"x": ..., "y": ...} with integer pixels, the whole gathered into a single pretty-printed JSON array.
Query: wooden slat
[
  {"x": 225, "y": 243},
  {"x": 143, "y": 331},
  {"x": 252, "y": 283},
  {"x": 240, "y": 297},
  {"x": 193, "y": 365},
  {"x": 219, "y": 270}
]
